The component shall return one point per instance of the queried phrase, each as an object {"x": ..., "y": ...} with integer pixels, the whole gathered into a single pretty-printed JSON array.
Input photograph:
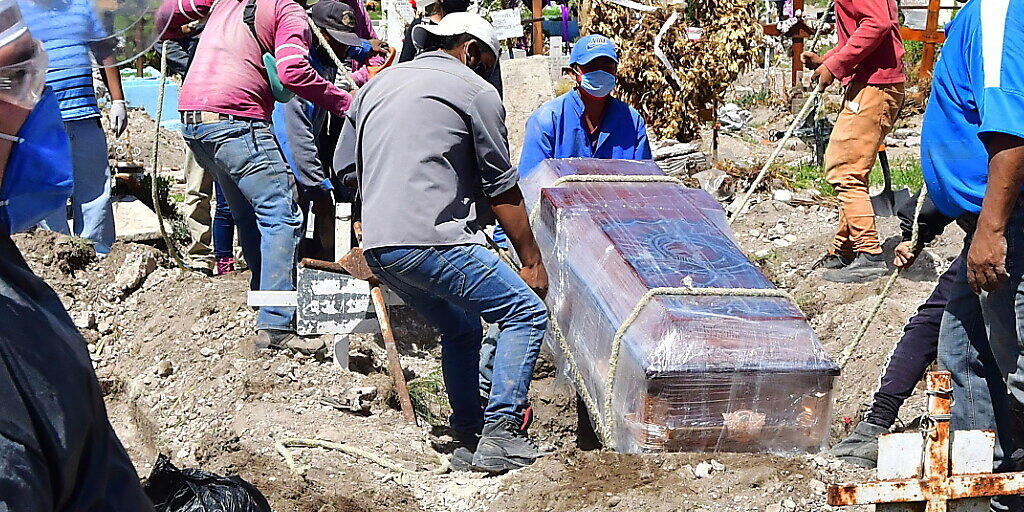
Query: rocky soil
[{"x": 174, "y": 352}]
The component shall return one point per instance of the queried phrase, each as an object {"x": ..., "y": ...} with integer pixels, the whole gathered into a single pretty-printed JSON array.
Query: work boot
[
  {"x": 280, "y": 340},
  {"x": 861, "y": 447},
  {"x": 864, "y": 268},
  {"x": 504, "y": 447},
  {"x": 831, "y": 261}
]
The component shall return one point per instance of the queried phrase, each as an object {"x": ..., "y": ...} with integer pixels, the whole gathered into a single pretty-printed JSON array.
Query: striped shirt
[{"x": 66, "y": 28}]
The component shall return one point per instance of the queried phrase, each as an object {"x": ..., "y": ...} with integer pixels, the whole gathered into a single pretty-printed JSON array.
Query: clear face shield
[
  {"x": 115, "y": 31},
  {"x": 22, "y": 70}
]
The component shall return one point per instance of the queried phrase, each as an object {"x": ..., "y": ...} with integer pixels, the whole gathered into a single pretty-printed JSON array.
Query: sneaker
[
  {"x": 861, "y": 448},
  {"x": 225, "y": 266},
  {"x": 864, "y": 268},
  {"x": 280, "y": 340},
  {"x": 504, "y": 447},
  {"x": 831, "y": 261}
]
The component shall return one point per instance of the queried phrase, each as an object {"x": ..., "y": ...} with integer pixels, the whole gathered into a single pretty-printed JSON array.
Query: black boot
[{"x": 504, "y": 447}]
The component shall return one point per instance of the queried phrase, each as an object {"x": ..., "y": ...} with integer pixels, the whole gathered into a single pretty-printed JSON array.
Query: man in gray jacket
[{"x": 428, "y": 144}]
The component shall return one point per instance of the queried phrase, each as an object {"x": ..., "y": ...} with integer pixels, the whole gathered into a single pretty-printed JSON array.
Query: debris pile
[{"x": 677, "y": 59}]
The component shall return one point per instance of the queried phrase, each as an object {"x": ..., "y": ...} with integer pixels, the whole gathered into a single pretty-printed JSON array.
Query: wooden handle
[
  {"x": 326, "y": 266},
  {"x": 394, "y": 362}
]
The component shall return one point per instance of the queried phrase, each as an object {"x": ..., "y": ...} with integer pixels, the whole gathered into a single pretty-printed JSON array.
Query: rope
[
  {"x": 800, "y": 117},
  {"x": 847, "y": 353},
  {"x": 620, "y": 333},
  {"x": 342, "y": 68},
  {"x": 797, "y": 121},
  {"x": 298, "y": 442},
  {"x": 168, "y": 242}
]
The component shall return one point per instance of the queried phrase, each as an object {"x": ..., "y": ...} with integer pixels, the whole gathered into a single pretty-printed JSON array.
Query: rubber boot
[{"x": 861, "y": 447}]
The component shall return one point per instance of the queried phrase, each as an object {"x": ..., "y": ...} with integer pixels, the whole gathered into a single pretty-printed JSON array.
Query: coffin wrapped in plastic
[{"x": 672, "y": 337}]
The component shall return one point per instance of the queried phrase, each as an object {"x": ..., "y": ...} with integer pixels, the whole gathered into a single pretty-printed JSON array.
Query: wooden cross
[
  {"x": 962, "y": 482},
  {"x": 931, "y": 36},
  {"x": 798, "y": 32}
]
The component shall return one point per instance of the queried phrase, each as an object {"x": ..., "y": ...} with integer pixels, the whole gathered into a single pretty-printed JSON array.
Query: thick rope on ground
[
  {"x": 282, "y": 446},
  {"x": 847, "y": 353}
]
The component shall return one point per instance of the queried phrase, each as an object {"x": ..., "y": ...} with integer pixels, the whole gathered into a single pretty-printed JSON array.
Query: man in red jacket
[{"x": 869, "y": 62}]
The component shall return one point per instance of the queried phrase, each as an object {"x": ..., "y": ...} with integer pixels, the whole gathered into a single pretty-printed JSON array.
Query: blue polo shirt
[
  {"x": 556, "y": 130},
  {"x": 66, "y": 29},
  {"x": 978, "y": 89}
]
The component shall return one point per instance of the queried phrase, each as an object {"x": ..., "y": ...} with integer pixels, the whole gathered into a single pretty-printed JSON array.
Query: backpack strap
[{"x": 249, "y": 18}]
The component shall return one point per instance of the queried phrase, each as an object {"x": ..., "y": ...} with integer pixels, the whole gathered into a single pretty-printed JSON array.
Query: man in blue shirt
[
  {"x": 70, "y": 30},
  {"x": 586, "y": 122},
  {"x": 972, "y": 155}
]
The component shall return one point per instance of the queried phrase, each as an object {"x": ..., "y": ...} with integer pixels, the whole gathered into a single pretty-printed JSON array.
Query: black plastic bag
[{"x": 194, "y": 490}]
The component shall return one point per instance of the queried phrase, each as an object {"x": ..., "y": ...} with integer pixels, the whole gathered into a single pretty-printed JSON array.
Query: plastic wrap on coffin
[{"x": 694, "y": 373}]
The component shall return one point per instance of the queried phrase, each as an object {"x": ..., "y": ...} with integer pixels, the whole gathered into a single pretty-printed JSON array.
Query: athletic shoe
[
  {"x": 225, "y": 266},
  {"x": 280, "y": 340},
  {"x": 831, "y": 261},
  {"x": 864, "y": 268}
]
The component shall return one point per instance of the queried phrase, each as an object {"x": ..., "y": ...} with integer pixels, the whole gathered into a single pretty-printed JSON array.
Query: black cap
[{"x": 338, "y": 19}]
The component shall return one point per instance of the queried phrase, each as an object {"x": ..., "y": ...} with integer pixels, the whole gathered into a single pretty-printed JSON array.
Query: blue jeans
[
  {"x": 454, "y": 287},
  {"x": 980, "y": 343},
  {"x": 223, "y": 227},
  {"x": 247, "y": 163},
  {"x": 90, "y": 202}
]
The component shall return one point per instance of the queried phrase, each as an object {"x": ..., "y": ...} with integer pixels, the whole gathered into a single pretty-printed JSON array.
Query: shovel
[
  {"x": 354, "y": 264},
  {"x": 885, "y": 202}
]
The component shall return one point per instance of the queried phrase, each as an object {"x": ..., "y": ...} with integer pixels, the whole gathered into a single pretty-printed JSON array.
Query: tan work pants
[
  {"x": 198, "y": 216},
  {"x": 867, "y": 116}
]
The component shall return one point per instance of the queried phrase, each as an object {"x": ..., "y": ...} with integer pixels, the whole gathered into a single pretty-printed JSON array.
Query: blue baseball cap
[{"x": 590, "y": 47}]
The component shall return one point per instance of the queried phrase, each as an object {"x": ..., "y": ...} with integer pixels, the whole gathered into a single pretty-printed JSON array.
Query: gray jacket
[{"x": 426, "y": 139}]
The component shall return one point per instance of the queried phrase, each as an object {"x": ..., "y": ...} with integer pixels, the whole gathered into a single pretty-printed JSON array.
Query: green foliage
[
  {"x": 754, "y": 98},
  {"x": 805, "y": 176},
  {"x": 906, "y": 173},
  {"x": 914, "y": 50},
  {"x": 429, "y": 399}
]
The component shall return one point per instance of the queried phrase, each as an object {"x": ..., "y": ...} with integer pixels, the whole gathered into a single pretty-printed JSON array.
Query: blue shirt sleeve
[
  {"x": 538, "y": 143},
  {"x": 643, "y": 146},
  {"x": 1001, "y": 99}
]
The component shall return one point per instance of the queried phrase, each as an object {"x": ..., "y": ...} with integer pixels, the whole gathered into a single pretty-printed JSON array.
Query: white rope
[
  {"x": 797, "y": 121},
  {"x": 171, "y": 247},
  {"x": 847, "y": 353},
  {"x": 620, "y": 333},
  {"x": 342, "y": 68}
]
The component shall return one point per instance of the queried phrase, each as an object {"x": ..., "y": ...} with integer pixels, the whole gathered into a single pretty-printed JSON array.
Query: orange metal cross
[
  {"x": 939, "y": 487},
  {"x": 931, "y": 36}
]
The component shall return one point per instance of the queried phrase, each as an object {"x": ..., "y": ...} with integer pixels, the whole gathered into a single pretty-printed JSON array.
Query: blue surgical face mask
[
  {"x": 597, "y": 83},
  {"x": 37, "y": 180}
]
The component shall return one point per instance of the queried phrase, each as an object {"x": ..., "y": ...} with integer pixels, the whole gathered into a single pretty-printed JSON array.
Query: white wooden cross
[{"x": 942, "y": 482}]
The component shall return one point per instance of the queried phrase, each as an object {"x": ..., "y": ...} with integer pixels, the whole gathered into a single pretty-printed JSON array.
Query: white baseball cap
[{"x": 458, "y": 23}]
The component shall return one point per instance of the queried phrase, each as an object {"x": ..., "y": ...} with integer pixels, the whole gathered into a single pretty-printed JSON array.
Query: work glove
[{"x": 118, "y": 117}]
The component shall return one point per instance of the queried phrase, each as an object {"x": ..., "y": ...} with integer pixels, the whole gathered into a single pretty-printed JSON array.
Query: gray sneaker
[
  {"x": 504, "y": 447},
  {"x": 831, "y": 261},
  {"x": 864, "y": 268},
  {"x": 861, "y": 447},
  {"x": 280, "y": 340}
]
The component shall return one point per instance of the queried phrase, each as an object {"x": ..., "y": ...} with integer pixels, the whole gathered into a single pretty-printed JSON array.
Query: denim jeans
[
  {"x": 247, "y": 163},
  {"x": 980, "y": 343},
  {"x": 90, "y": 202},
  {"x": 454, "y": 287},
  {"x": 223, "y": 227}
]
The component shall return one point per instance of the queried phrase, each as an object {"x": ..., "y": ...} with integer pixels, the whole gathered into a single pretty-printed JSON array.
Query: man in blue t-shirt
[
  {"x": 70, "y": 31},
  {"x": 972, "y": 154}
]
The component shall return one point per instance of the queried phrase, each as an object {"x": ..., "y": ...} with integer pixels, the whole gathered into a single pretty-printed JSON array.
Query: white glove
[{"x": 118, "y": 117}]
